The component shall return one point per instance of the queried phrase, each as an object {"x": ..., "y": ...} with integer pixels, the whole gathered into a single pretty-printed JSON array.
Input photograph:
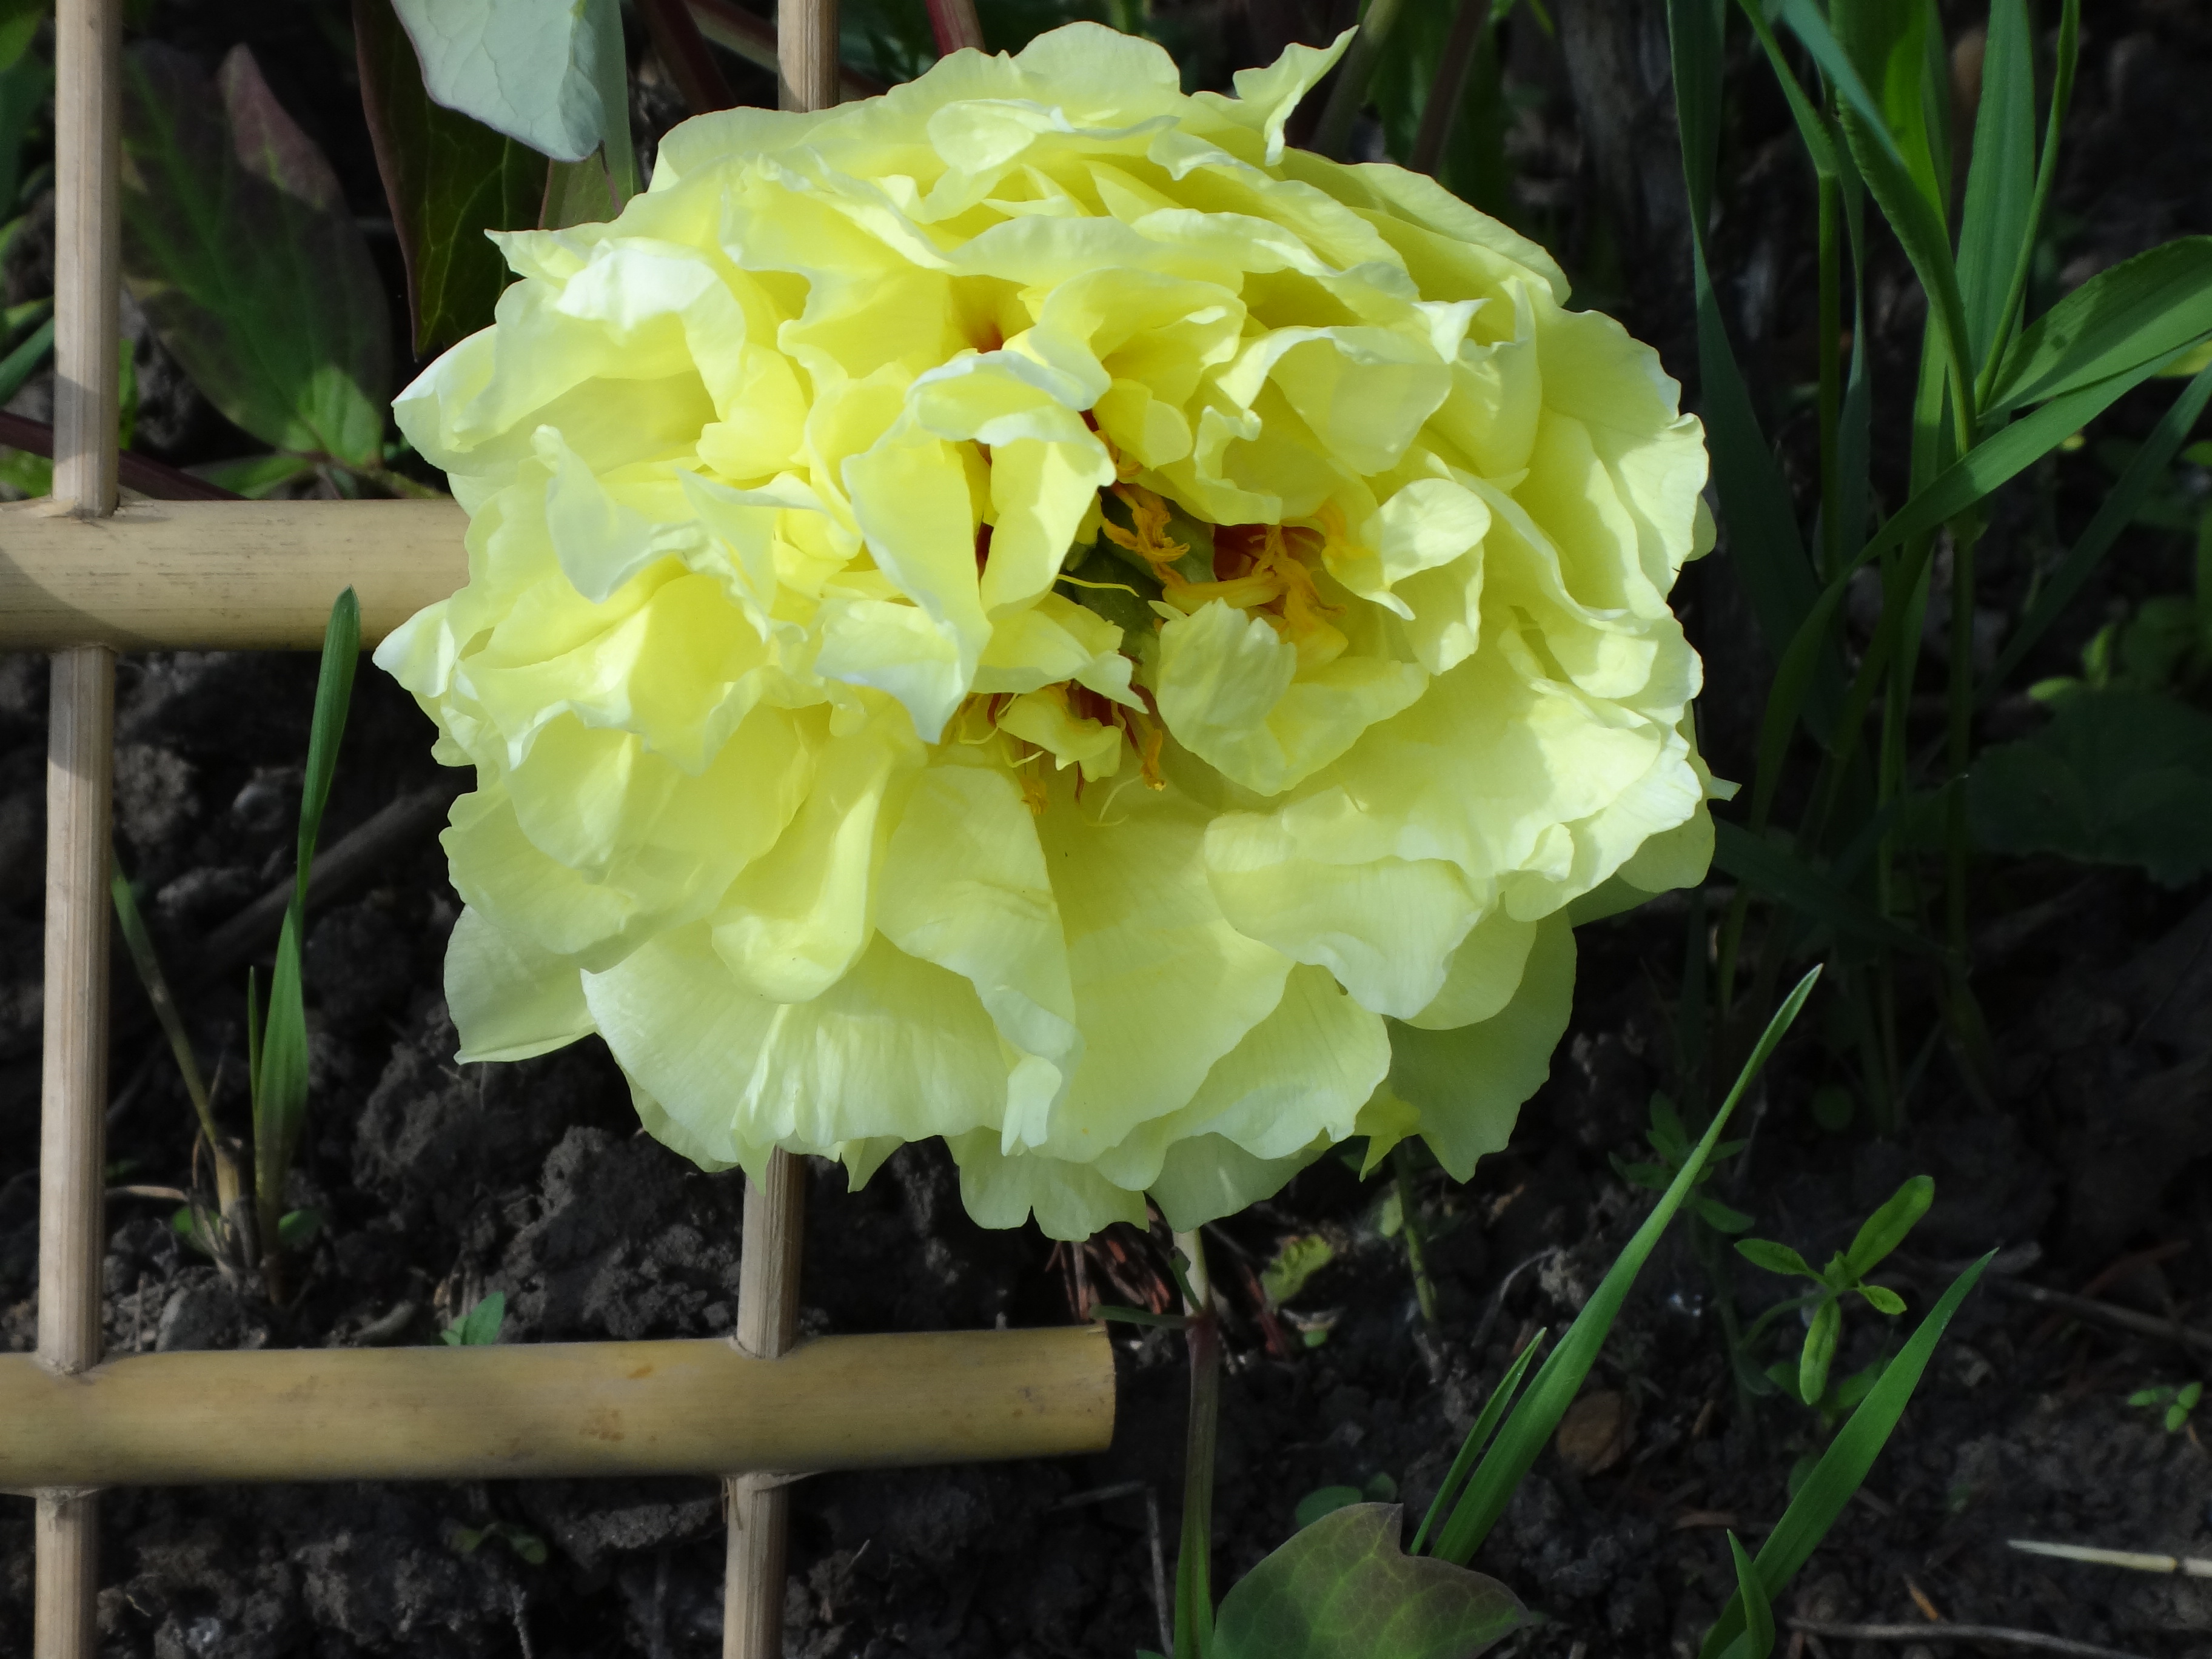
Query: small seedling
[
  {"x": 479, "y": 1326},
  {"x": 1380, "y": 1488},
  {"x": 1843, "y": 1276},
  {"x": 1673, "y": 1145},
  {"x": 528, "y": 1545},
  {"x": 2178, "y": 1402}
]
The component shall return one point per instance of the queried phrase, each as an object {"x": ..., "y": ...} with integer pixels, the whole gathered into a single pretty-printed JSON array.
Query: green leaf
[
  {"x": 480, "y": 1329},
  {"x": 1342, "y": 1587},
  {"x": 1763, "y": 540},
  {"x": 1882, "y": 1299},
  {"x": 2117, "y": 777},
  {"x": 1536, "y": 1419},
  {"x": 1998, "y": 221},
  {"x": 1774, "y": 1258},
  {"x": 1885, "y": 1228},
  {"x": 448, "y": 179},
  {"x": 1478, "y": 1437},
  {"x": 256, "y": 476},
  {"x": 2138, "y": 312},
  {"x": 333, "y": 692},
  {"x": 1758, "y": 1615},
  {"x": 577, "y": 193},
  {"x": 297, "y": 1228},
  {"x": 2146, "y": 470},
  {"x": 1775, "y": 870},
  {"x": 1325, "y": 1500},
  {"x": 521, "y": 67},
  {"x": 1719, "y": 1217},
  {"x": 239, "y": 246},
  {"x": 1839, "y": 1473},
  {"x": 1819, "y": 1353},
  {"x": 280, "y": 1092},
  {"x": 1298, "y": 1260}
]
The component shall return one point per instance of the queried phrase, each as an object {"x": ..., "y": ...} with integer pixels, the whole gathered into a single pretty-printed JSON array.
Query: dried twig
[
  {"x": 1948, "y": 1632},
  {"x": 2187, "y": 1566},
  {"x": 2085, "y": 1307}
]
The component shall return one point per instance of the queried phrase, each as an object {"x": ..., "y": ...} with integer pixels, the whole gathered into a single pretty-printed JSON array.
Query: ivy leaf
[
  {"x": 2117, "y": 777},
  {"x": 449, "y": 177},
  {"x": 239, "y": 247},
  {"x": 1342, "y": 1586},
  {"x": 526, "y": 68}
]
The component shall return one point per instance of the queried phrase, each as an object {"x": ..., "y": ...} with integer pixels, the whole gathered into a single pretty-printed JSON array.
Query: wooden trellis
[{"x": 83, "y": 575}]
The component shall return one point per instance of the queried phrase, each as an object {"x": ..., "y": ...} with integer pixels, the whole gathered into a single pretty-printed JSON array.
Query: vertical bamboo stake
[
  {"x": 759, "y": 1506},
  {"x": 87, "y": 234}
]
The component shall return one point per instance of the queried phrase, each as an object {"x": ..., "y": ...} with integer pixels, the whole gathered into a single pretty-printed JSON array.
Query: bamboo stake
[
  {"x": 759, "y": 1506},
  {"x": 556, "y": 1410},
  {"x": 221, "y": 576},
  {"x": 87, "y": 297}
]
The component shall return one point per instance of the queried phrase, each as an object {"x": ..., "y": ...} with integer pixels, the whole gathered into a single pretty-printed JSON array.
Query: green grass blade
[
  {"x": 280, "y": 1102},
  {"x": 1906, "y": 183},
  {"x": 2046, "y": 175},
  {"x": 26, "y": 359},
  {"x": 1759, "y": 1611},
  {"x": 1823, "y": 144},
  {"x": 148, "y": 964},
  {"x": 1537, "y": 1416},
  {"x": 333, "y": 692},
  {"x": 1763, "y": 537},
  {"x": 2140, "y": 310},
  {"x": 1839, "y": 1473},
  {"x": 1478, "y": 1437},
  {"x": 253, "y": 1021},
  {"x": 1998, "y": 220},
  {"x": 2144, "y": 471},
  {"x": 1775, "y": 870}
]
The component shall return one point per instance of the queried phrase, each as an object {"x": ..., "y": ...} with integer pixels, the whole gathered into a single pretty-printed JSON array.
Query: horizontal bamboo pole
[
  {"x": 530, "y": 1411},
  {"x": 220, "y": 576}
]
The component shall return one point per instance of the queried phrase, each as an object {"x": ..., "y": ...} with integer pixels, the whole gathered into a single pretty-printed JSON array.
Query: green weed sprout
[
  {"x": 479, "y": 1326},
  {"x": 2180, "y": 1402},
  {"x": 276, "y": 1034},
  {"x": 1342, "y": 1584},
  {"x": 235, "y": 1233},
  {"x": 1844, "y": 1276}
]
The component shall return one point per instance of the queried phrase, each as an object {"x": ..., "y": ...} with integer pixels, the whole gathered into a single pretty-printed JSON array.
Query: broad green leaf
[
  {"x": 256, "y": 476},
  {"x": 1819, "y": 1351},
  {"x": 1774, "y": 1258},
  {"x": 526, "y": 68},
  {"x": 1325, "y": 1500},
  {"x": 2145, "y": 470},
  {"x": 1997, "y": 221},
  {"x": 333, "y": 693},
  {"x": 1719, "y": 1217},
  {"x": 577, "y": 193},
  {"x": 239, "y": 246},
  {"x": 2117, "y": 777},
  {"x": 1885, "y": 1228},
  {"x": 1839, "y": 1473},
  {"x": 1478, "y": 1437},
  {"x": 297, "y": 1228},
  {"x": 1536, "y": 1419},
  {"x": 448, "y": 179},
  {"x": 2140, "y": 310},
  {"x": 1882, "y": 1299},
  {"x": 1342, "y": 1587},
  {"x": 1298, "y": 1260},
  {"x": 1758, "y": 1615}
]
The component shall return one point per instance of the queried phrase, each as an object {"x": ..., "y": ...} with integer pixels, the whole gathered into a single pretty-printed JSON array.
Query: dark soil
[{"x": 2091, "y": 1169}]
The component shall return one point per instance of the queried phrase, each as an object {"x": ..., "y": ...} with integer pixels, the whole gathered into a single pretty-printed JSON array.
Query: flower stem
[{"x": 1193, "y": 1621}]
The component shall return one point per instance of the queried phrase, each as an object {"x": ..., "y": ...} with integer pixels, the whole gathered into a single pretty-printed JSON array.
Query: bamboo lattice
[{"x": 84, "y": 576}]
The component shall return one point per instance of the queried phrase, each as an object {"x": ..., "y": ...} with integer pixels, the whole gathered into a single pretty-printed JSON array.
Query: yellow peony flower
[{"x": 1024, "y": 610}]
